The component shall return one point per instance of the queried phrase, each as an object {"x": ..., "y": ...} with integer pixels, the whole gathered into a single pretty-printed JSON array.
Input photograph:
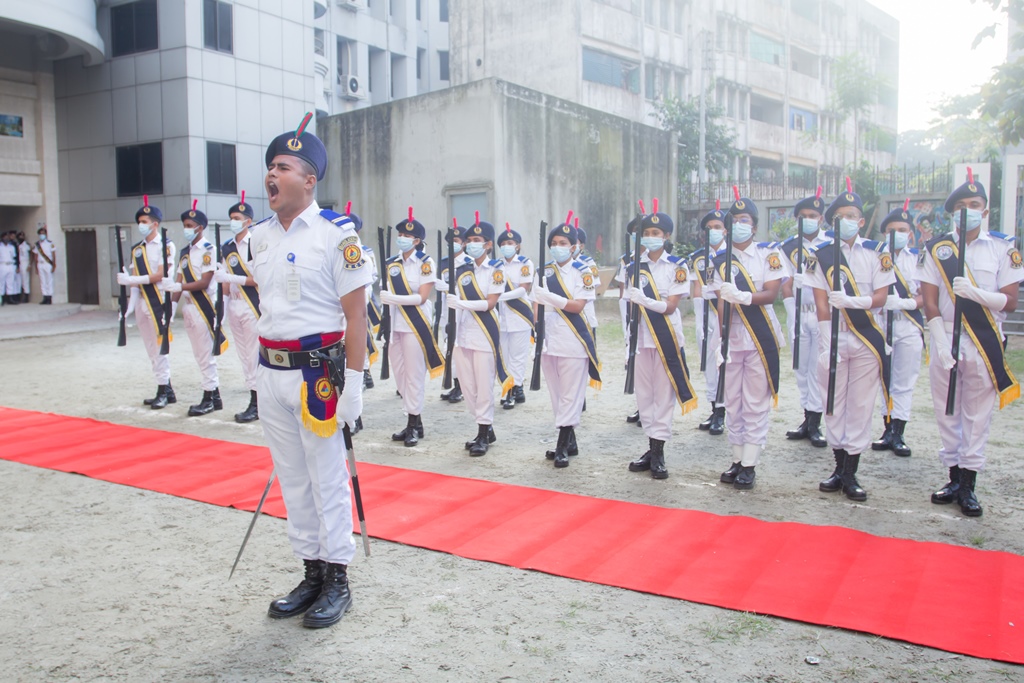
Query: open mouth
[{"x": 272, "y": 190}]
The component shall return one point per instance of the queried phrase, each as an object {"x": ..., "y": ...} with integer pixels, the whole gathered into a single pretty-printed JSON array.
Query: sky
[{"x": 936, "y": 59}]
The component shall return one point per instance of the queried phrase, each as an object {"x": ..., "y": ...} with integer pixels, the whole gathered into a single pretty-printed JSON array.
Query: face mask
[
  {"x": 508, "y": 250},
  {"x": 404, "y": 243},
  {"x": 475, "y": 249},
  {"x": 561, "y": 254},
  {"x": 900, "y": 239},
  {"x": 715, "y": 237},
  {"x": 457, "y": 247},
  {"x": 848, "y": 229},
  {"x": 190, "y": 234},
  {"x": 741, "y": 232},
  {"x": 809, "y": 226},
  {"x": 632, "y": 241},
  {"x": 237, "y": 227},
  {"x": 973, "y": 219},
  {"x": 144, "y": 229},
  {"x": 652, "y": 243}
]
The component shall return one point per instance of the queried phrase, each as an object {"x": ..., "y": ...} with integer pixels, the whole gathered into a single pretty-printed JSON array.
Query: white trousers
[
  {"x": 711, "y": 368},
  {"x": 245, "y": 339},
  {"x": 8, "y": 280},
  {"x": 476, "y": 372},
  {"x": 748, "y": 399},
  {"x": 964, "y": 433},
  {"x": 567, "y": 386},
  {"x": 202, "y": 345},
  {"x": 806, "y": 375},
  {"x": 161, "y": 365},
  {"x": 857, "y": 384},
  {"x": 311, "y": 470},
  {"x": 45, "y": 278},
  {"x": 655, "y": 397},
  {"x": 409, "y": 368},
  {"x": 25, "y": 280},
  {"x": 515, "y": 350},
  {"x": 907, "y": 347}
]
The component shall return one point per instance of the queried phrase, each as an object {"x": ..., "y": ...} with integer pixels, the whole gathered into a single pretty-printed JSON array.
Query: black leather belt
[{"x": 287, "y": 360}]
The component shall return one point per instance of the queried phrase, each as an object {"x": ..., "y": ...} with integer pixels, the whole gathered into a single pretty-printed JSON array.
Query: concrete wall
[{"x": 535, "y": 156}]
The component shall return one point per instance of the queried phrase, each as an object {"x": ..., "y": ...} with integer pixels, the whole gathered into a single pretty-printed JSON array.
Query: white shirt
[
  {"x": 24, "y": 251},
  {"x": 490, "y": 278},
  {"x": 671, "y": 277},
  {"x": 864, "y": 263},
  {"x": 559, "y": 339},
  {"x": 154, "y": 257},
  {"x": 326, "y": 259},
  {"x": 7, "y": 251},
  {"x": 763, "y": 263},
  {"x": 807, "y": 291},
  {"x": 518, "y": 271},
  {"x": 201, "y": 256},
  {"x": 44, "y": 246},
  {"x": 589, "y": 310},
  {"x": 419, "y": 270}
]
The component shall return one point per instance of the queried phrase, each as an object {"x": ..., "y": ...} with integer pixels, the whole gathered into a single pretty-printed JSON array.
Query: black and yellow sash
[
  {"x": 978, "y": 322},
  {"x": 39, "y": 250},
  {"x": 672, "y": 355},
  {"x": 236, "y": 265},
  {"x": 201, "y": 298},
  {"x": 903, "y": 290},
  {"x": 759, "y": 325},
  {"x": 150, "y": 294},
  {"x": 519, "y": 306},
  {"x": 373, "y": 320},
  {"x": 417, "y": 321},
  {"x": 488, "y": 321},
  {"x": 794, "y": 248},
  {"x": 861, "y": 322},
  {"x": 577, "y": 323}
]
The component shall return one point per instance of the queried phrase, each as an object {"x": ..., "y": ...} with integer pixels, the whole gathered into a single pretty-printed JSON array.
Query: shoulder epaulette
[
  {"x": 873, "y": 245},
  {"x": 521, "y": 258},
  {"x": 580, "y": 265},
  {"x": 696, "y": 253},
  {"x": 913, "y": 251},
  {"x": 260, "y": 223},
  {"x": 421, "y": 255},
  {"x": 367, "y": 249},
  {"x": 339, "y": 219},
  {"x": 1001, "y": 236},
  {"x": 769, "y": 245},
  {"x": 495, "y": 263},
  {"x": 677, "y": 260},
  {"x": 791, "y": 238}
]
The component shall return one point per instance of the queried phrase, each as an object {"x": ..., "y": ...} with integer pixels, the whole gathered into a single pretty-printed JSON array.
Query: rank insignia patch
[
  {"x": 498, "y": 277},
  {"x": 324, "y": 389},
  {"x": 886, "y": 262},
  {"x": 1015, "y": 259},
  {"x": 425, "y": 269},
  {"x": 525, "y": 271},
  {"x": 774, "y": 262}
]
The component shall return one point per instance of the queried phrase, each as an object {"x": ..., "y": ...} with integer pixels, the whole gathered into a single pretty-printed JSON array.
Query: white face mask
[
  {"x": 475, "y": 249},
  {"x": 190, "y": 234},
  {"x": 508, "y": 250},
  {"x": 404, "y": 243},
  {"x": 900, "y": 239},
  {"x": 848, "y": 228},
  {"x": 144, "y": 229},
  {"x": 457, "y": 247},
  {"x": 236, "y": 227},
  {"x": 652, "y": 243},
  {"x": 974, "y": 218},
  {"x": 716, "y": 236},
  {"x": 741, "y": 232},
  {"x": 809, "y": 226},
  {"x": 561, "y": 254}
]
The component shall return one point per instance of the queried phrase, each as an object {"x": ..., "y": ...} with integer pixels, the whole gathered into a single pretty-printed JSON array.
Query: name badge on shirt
[{"x": 292, "y": 288}]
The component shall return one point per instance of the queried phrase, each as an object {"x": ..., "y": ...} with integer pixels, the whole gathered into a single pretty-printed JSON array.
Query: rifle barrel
[
  {"x": 958, "y": 314},
  {"x": 833, "y": 354}
]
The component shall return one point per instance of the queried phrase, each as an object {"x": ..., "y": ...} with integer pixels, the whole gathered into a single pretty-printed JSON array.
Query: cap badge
[
  {"x": 655, "y": 219},
  {"x": 294, "y": 144},
  {"x": 191, "y": 214},
  {"x": 972, "y": 187},
  {"x": 145, "y": 209},
  {"x": 740, "y": 204},
  {"x": 410, "y": 226},
  {"x": 849, "y": 197}
]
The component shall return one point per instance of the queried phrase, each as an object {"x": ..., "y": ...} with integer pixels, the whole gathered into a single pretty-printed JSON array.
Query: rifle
[
  {"x": 837, "y": 286},
  {"x": 707, "y": 307},
  {"x": 798, "y": 295},
  {"x": 890, "y": 316},
  {"x": 219, "y": 304},
  {"x": 385, "y": 314},
  {"x": 539, "y": 325},
  {"x": 165, "y": 341},
  {"x": 726, "y": 311},
  {"x": 437, "y": 305},
  {"x": 446, "y": 380},
  {"x": 122, "y": 297},
  {"x": 958, "y": 314},
  {"x": 634, "y": 324}
]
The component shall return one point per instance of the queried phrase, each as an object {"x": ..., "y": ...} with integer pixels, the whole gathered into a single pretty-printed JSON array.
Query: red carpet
[{"x": 891, "y": 587}]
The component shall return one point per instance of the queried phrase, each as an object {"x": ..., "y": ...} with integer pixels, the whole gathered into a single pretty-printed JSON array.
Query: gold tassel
[
  {"x": 373, "y": 356},
  {"x": 322, "y": 428},
  {"x": 438, "y": 371},
  {"x": 1009, "y": 395},
  {"x": 507, "y": 384},
  {"x": 224, "y": 346},
  {"x": 689, "y": 406},
  {"x": 595, "y": 384}
]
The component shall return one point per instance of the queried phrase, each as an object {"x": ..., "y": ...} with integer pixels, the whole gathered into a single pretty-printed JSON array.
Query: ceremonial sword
[{"x": 255, "y": 516}]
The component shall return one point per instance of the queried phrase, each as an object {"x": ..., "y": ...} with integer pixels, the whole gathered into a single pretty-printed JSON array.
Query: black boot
[
  {"x": 571, "y": 447},
  {"x": 885, "y": 442},
  {"x": 455, "y": 395},
  {"x": 359, "y": 425},
  {"x": 171, "y": 398},
  {"x": 520, "y": 397},
  {"x": 412, "y": 433},
  {"x": 658, "y": 469},
  {"x": 204, "y": 407},
  {"x": 333, "y": 601},
  {"x": 706, "y": 424},
  {"x": 851, "y": 488},
  {"x": 899, "y": 446},
  {"x": 252, "y": 413},
  {"x": 634, "y": 419},
  {"x": 729, "y": 476},
  {"x": 801, "y": 431},
  {"x": 643, "y": 463},
  {"x": 508, "y": 401},
  {"x": 560, "y": 455},
  {"x": 745, "y": 478},
  {"x": 218, "y": 404},
  {"x": 814, "y": 430},
  {"x": 299, "y": 600},
  {"x": 835, "y": 481},
  {"x": 367, "y": 380},
  {"x": 47, "y": 301},
  {"x": 163, "y": 397},
  {"x": 969, "y": 504},
  {"x": 951, "y": 491},
  {"x": 717, "y": 421},
  {"x": 484, "y": 436}
]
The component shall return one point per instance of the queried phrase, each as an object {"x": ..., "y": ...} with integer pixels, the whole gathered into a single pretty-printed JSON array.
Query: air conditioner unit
[
  {"x": 351, "y": 88},
  {"x": 354, "y": 5}
]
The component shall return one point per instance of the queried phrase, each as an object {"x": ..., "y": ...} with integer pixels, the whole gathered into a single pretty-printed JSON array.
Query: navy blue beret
[
  {"x": 481, "y": 229},
  {"x": 411, "y": 226},
  {"x": 510, "y": 234},
  {"x": 716, "y": 215},
  {"x": 151, "y": 211},
  {"x": 301, "y": 144},
  {"x": 242, "y": 208},
  {"x": 660, "y": 220},
  {"x": 744, "y": 205},
  {"x": 563, "y": 230},
  {"x": 972, "y": 188},
  {"x": 814, "y": 203},
  {"x": 195, "y": 215},
  {"x": 897, "y": 215},
  {"x": 844, "y": 199}
]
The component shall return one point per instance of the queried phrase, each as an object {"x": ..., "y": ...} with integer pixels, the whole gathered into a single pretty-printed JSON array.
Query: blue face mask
[
  {"x": 190, "y": 234},
  {"x": 561, "y": 254},
  {"x": 457, "y": 247},
  {"x": 900, "y": 240},
  {"x": 237, "y": 226},
  {"x": 508, "y": 250},
  {"x": 848, "y": 228},
  {"x": 974, "y": 218},
  {"x": 809, "y": 226},
  {"x": 652, "y": 243},
  {"x": 741, "y": 232},
  {"x": 144, "y": 229},
  {"x": 404, "y": 243},
  {"x": 716, "y": 236},
  {"x": 475, "y": 249}
]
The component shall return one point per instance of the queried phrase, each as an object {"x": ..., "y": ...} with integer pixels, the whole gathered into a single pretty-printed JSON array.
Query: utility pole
[{"x": 706, "y": 64}]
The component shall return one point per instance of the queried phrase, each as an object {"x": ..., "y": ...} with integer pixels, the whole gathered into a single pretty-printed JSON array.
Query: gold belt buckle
[{"x": 279, "y": 358}]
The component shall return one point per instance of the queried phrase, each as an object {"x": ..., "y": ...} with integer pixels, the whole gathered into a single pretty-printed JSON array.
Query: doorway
[{"x": 83, "y": 279}]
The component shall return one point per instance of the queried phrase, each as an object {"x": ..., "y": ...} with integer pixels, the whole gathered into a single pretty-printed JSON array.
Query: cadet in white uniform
[
  {"x": 46, "y": 263},
  {"x": 311, "y": 274},
  {"x": 808, "y": 212},
  {"x": 586, "y": 259},
  {"x": 8, "y": 268},
  {"x": 24, "y": 271},
  {"x": 859, "y": 372},
  {"x": 703, "y": 296},
  {"x": 755, "y": 337},
  {"x": 477, "y": 355},
  {"x": 516, "y": 313},
  {"x": 622, "y": 278},
  {"x": 144, "y": 275},
  {"x": 988, "y": 291},
  {"x": 453, "y": 395}
]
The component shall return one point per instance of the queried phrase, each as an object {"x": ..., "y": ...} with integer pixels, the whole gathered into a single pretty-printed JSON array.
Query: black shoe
[
  {"x": 299, "y": 600},
  {"x": 48, "y": 300},
  {"x": 171, "y": 398},
  {"x": 560, "y": 455},
  {"x": 851, "y": 488},
  {"x": 484, "y": 436},
  {"x": 204, "y": 407},
  {"x": 250, "y": 414},
  {"x": 800, "y": 432},
  {"x": 744, "y": 478},
  {"x": 658, "y": 469},
  {"x": 634, "y": 418},
  {"x": 218, "y": 404},
  {"x": 717, "y": 427},
  {"x": 359, "y": 426},
  {"x": 491, "y": 438},
  {"x": 643, "y": 463},
  {"x": 899, "y": 446},
  {"x": 572, "y": 448},
  {"x": 520, "y": 396},
  {"x": 951, "y": 491},
  {"x": 163, "y": 397},
  {"x": 367, "y": 380},
  {"x": 455, "y": 395},
  {"x": 835, "y": 480},
  {"x": 885, "y": 442},
  {"x": 334, "y": 599},
  {"x": 969, "y": 504},
  {"x": 412, "y": 433},
  {"x": 706, "y": 424},
  {"x": 814, "y": 430},
  {"x": 729, "y": 476},
  {"x": 508, "y": 401}
]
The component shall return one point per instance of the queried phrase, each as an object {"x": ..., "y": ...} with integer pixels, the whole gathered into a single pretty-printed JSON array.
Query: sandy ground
[{"x": 104, "y": 582}]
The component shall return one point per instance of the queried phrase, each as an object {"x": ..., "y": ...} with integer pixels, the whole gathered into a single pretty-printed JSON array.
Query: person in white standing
[
  {"x": 516, "y": 313},
  {"x": 45, "y": 254}
]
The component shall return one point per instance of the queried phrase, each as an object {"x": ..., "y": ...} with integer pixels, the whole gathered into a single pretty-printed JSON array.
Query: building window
[
  {"x": 649, "y": 12},
  {"x": 419, "y": 10},
  {"x": 599, "y": 67},
  {"x": 140, "y": 169},
  {"x": 764, "y": 49},
  {"x": 442, "y": 58},
  {"x": 133, "y": 28},
  {"x": 220, "y": 168},
  {"x": 650, "y": 79},
  {"x": 217, "y": 25},
  {"x": 420, "y": 54},
  {"x": 443, "y": 11}
]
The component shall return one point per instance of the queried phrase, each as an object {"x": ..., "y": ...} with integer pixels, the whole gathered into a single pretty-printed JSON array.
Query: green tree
[
  {"x": 683, "y": 117},
  {"x": 1002, "y": 98},
  {"x": 855, "y": 90}
]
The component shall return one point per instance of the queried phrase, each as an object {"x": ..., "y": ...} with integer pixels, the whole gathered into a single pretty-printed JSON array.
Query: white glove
[
  {"x": 825, "y": 340},
  {"x": 513, "y": 294},
  {"x": 174, "y": 309},
  {"x": 226, "y": 277},
  {"x": 790, "y": 305},
  {"x": 844, "y": 300},
  {"x": 719, "y": 359},
  {"x": 733, "y": 295},
  {"x": 637, "y": 296},
  {"x": 350, "y": 403},
  {"x": 894, "y": 302},
  {"x": 391, "y": 299},
  {"x": 708, "y": 294},
  {"x": 545, "y": 297},
  {"x": 941, "y": 344},
  {"x": 798, "y": 280},
  {"x": 993, "y": 300},
  {"x": 132, "y": 280},
  {"x": 458, "y": 304},
  {"x": 168, "y": 285}
]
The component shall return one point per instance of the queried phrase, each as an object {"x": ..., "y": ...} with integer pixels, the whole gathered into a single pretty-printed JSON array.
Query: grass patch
[{"x": 732, "y": 628}]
